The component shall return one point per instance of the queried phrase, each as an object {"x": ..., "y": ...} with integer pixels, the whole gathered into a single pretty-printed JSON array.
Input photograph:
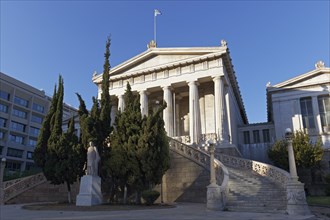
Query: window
[
  {"x": 13, "y": 166},
  {"x": 18, "y": 126},
  {"x": 2, "y": 135},
  {"x": 38, "y": 108},
  {"x": 265, "y": 135},
  {"x": 1, "y": 147},
  {"x": 256, "y": 136},
  {"x": 307, "y": 112},
  {"x": 34, "y": 131},
  {"x": 29, "y": 155},
  {"x": 4, "y": 95},
  {"x": 3, "y": 108},
  {"x": 19, "y": 113},
  {"x": 324, "y": 107},
  {"x": 246, "y": 137},
  {"x": 16, "y": 138},
  {"x": 12, "y": 152},
  {"x": 21, "y": 101},
  {"x": 36, "y": 119},
  {"x": 3, "y": 122},
  {"x": 32, "y": 142}
]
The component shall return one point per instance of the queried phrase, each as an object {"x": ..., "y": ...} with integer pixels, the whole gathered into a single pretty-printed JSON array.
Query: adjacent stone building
[{"x": 302, "y": 103}]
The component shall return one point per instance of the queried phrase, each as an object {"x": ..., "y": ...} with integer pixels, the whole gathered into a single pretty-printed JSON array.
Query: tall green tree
[
  {"x": 123, "y": 162},
  {"x": 40, "y": 151},
  {"x": 62, "y": 162},
  {"x": 153, "y": 149}
]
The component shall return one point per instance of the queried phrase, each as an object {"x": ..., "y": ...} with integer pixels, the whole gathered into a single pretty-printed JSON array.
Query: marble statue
[{"x": 93, "y": 159}]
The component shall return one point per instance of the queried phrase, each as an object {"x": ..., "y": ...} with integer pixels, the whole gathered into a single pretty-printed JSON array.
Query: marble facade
[{"x": 198, "y": 84}]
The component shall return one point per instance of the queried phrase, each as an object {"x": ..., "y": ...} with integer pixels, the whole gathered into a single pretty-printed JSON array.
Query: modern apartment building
[{"x": 22, "y": 110}]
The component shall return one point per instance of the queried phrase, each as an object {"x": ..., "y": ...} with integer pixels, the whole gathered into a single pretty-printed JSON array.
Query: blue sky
[{"x": 268, "y": 40}]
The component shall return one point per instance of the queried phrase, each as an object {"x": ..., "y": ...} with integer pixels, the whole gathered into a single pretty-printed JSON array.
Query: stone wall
[
  {"x": 185, "y": 181},
  {"x": 46, "y": 192}
]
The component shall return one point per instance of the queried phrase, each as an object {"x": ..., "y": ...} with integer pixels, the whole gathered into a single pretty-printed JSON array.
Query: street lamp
[{"x": 2, "y": 169}]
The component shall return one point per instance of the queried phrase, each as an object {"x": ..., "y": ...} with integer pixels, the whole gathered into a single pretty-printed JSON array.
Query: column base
[
  {"x": 296, "y": 198},
  {"x": 215, "y": 200}
]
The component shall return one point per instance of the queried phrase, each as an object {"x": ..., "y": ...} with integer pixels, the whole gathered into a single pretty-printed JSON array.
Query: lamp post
[
  {"x": 2, "y": 169},
  {"x": 296, "y": 198},
  {"x": 213, "y": 180},
  {"x": 292, "y": 162},
  {"x": 214, "y": 191}
]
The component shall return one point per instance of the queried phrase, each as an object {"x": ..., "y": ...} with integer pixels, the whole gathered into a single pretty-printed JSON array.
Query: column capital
[
  {"x": 218, "y": 77},
  {"x": 192, "y": 83},
  {"x": 144, "y": 91},
  {"x": 166, "y": 87}
]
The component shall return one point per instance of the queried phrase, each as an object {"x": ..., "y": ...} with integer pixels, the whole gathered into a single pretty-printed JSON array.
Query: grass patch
[{"x": 318, "y": 200}]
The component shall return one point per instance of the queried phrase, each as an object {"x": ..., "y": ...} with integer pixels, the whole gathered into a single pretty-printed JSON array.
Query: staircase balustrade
[
  {"x": 18, "y": 186},
  {"x": 201, "y": 158},
  {"x": 276, "y": 174}
]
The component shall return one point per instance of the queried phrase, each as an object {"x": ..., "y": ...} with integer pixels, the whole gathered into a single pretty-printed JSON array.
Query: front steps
[{"x": 249, "y": 191}]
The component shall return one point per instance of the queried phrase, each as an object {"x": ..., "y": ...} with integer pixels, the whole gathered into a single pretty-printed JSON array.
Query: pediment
[
  {"x": 155, "y": 58},
  {"x": 158, "y": 60},
  {"x": 315, "y": 77}
]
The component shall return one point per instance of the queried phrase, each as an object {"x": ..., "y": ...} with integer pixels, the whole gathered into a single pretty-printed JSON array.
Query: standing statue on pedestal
[
  {"x": 90, "y": 185},
  {"x": 93, "y": 159}
]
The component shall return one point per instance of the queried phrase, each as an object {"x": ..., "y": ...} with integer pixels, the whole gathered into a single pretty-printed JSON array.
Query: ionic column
[
  {"x": 194, "y": 125},
  {"x": 168, "y": 111},
  {"x": 144, "y": 102},
  {"x": 121, "y": 103},
  {"x": 218, "y": 105}
]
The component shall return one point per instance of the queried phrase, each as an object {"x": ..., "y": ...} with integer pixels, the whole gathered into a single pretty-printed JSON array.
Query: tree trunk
[
  {"x": 69, "y": 192},
  {"x": 138, "y": 197},
  {"x": 125, "y": 195}
]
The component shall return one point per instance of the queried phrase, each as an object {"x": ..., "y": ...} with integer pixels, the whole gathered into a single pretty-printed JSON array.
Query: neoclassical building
[
  {"x": 198, "y": 84},
  {"x": 302, "y": 103}
]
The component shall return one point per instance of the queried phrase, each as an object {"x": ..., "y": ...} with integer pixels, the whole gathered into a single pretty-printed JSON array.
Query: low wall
[
  {"x": 185, "y": 181},
  {"x": 46, "y": 192}
]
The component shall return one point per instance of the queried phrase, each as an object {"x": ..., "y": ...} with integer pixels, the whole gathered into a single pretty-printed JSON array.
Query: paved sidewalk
[{"x": 191, "y": 211}]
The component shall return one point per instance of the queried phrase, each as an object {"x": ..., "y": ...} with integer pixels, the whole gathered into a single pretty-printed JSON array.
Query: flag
[{"x": 157, "y": 12}]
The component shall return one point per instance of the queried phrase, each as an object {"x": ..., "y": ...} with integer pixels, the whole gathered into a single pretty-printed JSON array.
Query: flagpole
[{"x": 155, "y": 27}]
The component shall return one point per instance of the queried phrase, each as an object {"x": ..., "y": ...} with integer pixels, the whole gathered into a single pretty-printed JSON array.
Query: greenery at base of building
[
  {"x": 150, "y": 196},
  {"x": 307, "y": 154},
  {"x": 11, "y": 175},
  {"x": 318, "y": 200},
  {"x": 58, "y": 152},
  {"x": 327, "y": 189}
]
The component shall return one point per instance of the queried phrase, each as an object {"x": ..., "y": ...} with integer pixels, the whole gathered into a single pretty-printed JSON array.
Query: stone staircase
[{"x": 249, "y": 191}]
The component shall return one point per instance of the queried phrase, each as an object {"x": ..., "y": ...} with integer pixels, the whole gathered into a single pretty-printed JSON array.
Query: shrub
[
  {"x": 327, "y": 189},
  {"x": 150, "y": 196}
]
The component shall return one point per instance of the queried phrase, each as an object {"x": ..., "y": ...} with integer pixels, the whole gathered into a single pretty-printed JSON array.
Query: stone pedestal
[
  {"x": 296, "y": 197},
  {"x": 214, "y": 198},
  {"x": 90, "y": 191}
]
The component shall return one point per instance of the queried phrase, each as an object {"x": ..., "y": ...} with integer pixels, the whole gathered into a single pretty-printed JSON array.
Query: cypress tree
[
  {"x": 154, "y": 149},
  {"x": 105, "y": 96},
  {"x": 123, "y": 163},
  {"x": 39, "y": 155}
]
